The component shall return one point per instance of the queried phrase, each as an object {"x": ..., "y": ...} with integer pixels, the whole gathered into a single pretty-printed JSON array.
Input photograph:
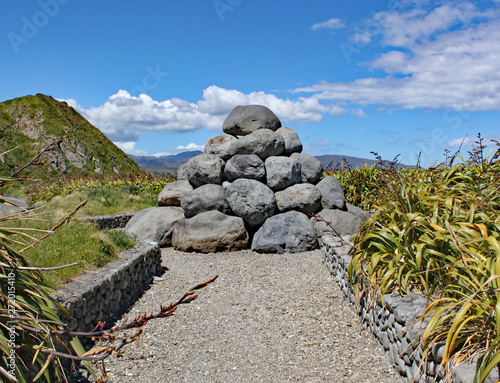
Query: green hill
[{"x": 29, "y": 124}]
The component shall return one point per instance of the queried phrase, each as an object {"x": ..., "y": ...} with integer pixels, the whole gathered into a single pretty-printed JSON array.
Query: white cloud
[
  {"x": 191, "y": 147},
  {"x": 124, "y": 118},
  {"x": 445, "y": 58},
  {"x": 470, "y": 141},
  {"x": 129, "y": 148},
  {"x": 359, "y": 112},
  {"x": 332, "y": 23}
]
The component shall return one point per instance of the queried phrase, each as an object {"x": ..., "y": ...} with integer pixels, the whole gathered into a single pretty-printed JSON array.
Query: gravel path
[{"x": 267, "y": 318}]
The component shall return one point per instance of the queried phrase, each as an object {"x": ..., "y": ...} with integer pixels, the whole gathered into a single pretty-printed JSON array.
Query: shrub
[{"x": 439, "y": 234}]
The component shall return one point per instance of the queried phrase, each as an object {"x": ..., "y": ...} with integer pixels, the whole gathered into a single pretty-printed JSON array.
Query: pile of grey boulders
[{"x": 251, "y": 188}]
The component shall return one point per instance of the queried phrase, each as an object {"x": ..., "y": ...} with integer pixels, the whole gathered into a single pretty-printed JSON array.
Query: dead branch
[
  {"x": 38, "y": 155},
  {"x": 38, "y": 268},
  {"x": 329, "y": 224},
  {"x": 101, "y": 353}
]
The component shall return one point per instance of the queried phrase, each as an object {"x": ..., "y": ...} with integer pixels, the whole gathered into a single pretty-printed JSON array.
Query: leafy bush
[{"x": 437, "y": 232}]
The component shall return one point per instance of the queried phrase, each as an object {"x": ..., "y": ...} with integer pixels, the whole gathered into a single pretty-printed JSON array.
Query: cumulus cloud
[
  {"x": 332, "y": 23},
  {"x": 446, "y": 57},
  {"x": 124, "y": 118},
  {"x": 359, "y": 112},
  {"x": 129, "y": 148},
  {"x": 470, "y": 141},
  {"x": 190, "y": 147}
]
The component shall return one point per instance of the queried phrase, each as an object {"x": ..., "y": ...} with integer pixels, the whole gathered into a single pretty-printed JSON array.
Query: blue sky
[{"x": 159, "y": 77}]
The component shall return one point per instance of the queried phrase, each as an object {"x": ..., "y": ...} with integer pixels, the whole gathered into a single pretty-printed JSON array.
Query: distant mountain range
[
  {"x": 164, "y": 162},
  {"x": 172, "y": 163}
]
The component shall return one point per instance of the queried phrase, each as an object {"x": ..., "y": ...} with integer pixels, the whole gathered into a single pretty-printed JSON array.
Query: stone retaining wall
[
  {"x": 390, "y": 321},
  {"x": 115, "y": 221},
  {"x": 106, "y": 293}
]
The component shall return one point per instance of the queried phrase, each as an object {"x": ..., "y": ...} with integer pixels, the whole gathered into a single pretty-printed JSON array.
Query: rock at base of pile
[
  {"x": 155, "y": 224},
  {"x": 251, "y": 200},
  {"x": 172, "y": 193},
  {"x": 289, "y": 232},
  {"x": 209, "y": 232}
]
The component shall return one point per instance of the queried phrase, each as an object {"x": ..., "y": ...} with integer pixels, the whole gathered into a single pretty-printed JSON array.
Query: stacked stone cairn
[{"x": 251, "y": 188}]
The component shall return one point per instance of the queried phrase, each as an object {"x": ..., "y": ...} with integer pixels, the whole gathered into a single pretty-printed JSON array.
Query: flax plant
[
  {"x": 438, "y": 234},
  {"x": 27, "y": 301}
]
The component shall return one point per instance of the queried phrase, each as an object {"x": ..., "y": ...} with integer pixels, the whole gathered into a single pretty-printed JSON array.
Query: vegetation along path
[{"x": 267, "y": 318}]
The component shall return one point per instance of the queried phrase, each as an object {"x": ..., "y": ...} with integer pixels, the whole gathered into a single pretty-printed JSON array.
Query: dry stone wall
[
  {"x": 391, "y": 320},
  {"x": 105, "y": 293},
  {"x": 114, "y": 221}
]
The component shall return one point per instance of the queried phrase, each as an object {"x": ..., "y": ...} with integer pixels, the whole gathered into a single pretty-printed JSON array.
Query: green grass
[{"x": 78, "y": 240}]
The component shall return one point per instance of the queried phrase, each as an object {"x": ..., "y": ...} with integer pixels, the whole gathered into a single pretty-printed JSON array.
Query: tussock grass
[{"x": 77, "y": 240}]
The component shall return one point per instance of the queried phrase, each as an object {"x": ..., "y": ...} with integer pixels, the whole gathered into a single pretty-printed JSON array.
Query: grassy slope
[{"x": 55, "y": 119}]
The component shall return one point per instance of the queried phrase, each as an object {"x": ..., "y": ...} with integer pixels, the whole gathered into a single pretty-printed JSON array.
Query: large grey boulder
[
  {"x": 205, "y": 169},
  {"x": 312, "y": 168},
  {"x": 244, "y": 120},
  {"x": 343, "y": 222},
  {"x": 245, "y": 166},
  {"x": 155, "y": 224},
  {"x": 332, "y": 194},
  {"x": 219, "y": 145},
  {"x": 305, "y": 198},
  {"x": 292, "y": 141},
  {"x": 289, "y": 232},
  {"x": 210, "y": 231},
  {"x": 263, "y": 142},
  {"x": 205, "y": 198},
  {"x": 172, "y": 193},
  {"x": 282, "y": 172},
  {"x": 251, "y": 200}
]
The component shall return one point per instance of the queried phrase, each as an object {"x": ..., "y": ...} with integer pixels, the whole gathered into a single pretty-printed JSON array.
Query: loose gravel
[{"x": 267, "y": 318}]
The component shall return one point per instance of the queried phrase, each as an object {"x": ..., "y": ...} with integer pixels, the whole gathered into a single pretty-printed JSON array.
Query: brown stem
[{"x": 38, "y": 155}]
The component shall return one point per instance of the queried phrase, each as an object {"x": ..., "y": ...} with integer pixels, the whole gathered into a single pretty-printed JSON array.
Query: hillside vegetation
[
  {"x": 31, "y": 123},
  {"x": 437, "y": 233}
]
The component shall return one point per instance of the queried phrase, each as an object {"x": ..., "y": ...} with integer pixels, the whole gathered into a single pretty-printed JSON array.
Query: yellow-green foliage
[
  {"x": 143, "y": 186},
  {"x": 27, "y": 318},
  {"x": 437, "y": 231}
]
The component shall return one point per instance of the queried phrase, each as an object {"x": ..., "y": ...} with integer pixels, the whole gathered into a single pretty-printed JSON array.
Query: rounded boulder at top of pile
[{"x": 244, "y": 120}]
